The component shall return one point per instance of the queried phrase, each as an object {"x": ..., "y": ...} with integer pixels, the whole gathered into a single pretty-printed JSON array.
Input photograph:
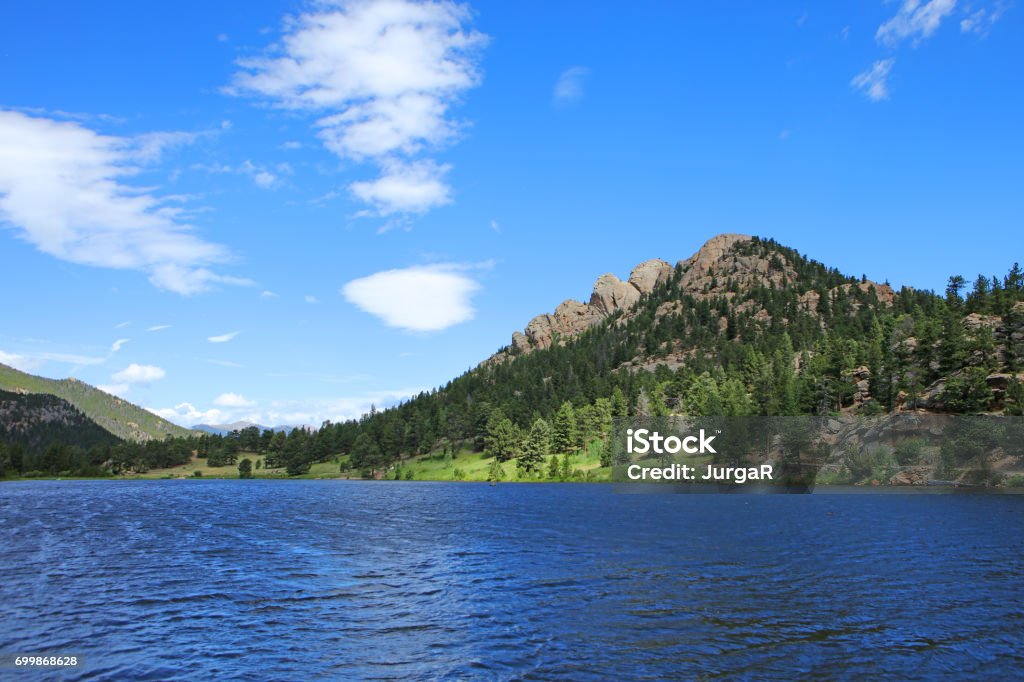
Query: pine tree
[
  {"x": 563, "y": 437},
  {"x": 503, "y": 437},
  {"x": 619, "y": 404},
  {"x": 536, "y": 447},
  {"x": 554, "y": 470},
  {"x": 495, "y": 472}
]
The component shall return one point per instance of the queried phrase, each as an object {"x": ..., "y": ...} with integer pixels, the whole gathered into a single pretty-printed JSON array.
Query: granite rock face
[
  {"x": 650, "y": 274},
  {"x": 719, "y": 267}
]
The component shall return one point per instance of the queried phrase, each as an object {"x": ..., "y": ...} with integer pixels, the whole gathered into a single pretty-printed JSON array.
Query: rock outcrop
[
  {"x": 650, "y": 274},
  {"x": 612, "y": 295},
  {"x": 719, "y": 268}
]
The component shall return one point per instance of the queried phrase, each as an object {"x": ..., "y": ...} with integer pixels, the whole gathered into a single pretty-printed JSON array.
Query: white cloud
[
  {"x": 268, "y": 294},
  {"x": 495, "y": 225},
  {"x": 569, "y": 86},
  {"x": 222, "y": 338},
  {"x": 405, "y": 188},
  {"x": 233, "y": 400},
  {"x": 115, "y": 389},
  {"x": 980, "y": 22},
  {"x": 24, "y": 363},
  {"x": 158, "y": 327},
  {"x": 418, "y": 298},
  {"x": 873, "y": 82},
  {"x": 311, "y": 299},
  {"x": 138, "y": 374},
  {"x": 259, "y": 174},
  {"x": 915, "y": 19},
  {"x": 312, "y": 411},
  {"x": 62, "y": 190},
  {"x": 382, "y": 76},
  {"x": 186, "y": 414},
  {"x": 121, "y": 325},
  {"x": 117, "y": 345}
]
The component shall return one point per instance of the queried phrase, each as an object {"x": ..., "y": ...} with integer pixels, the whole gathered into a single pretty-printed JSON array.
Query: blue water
[{"x": 295, "y": 580}]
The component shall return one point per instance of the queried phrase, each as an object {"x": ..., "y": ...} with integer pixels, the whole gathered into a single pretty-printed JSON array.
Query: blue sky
[{"x": 289, "y": 213}]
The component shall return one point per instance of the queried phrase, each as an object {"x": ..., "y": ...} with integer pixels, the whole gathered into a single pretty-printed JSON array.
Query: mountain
[
  {"x": 225, "y": 429},
  {"x": 745, "y": 326},
  {"x": 741, "y": 292},
  {"x": 120, "y": 417},
  {"x": 36, "y": 421}
]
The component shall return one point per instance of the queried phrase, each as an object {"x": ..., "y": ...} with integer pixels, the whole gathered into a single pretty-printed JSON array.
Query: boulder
[
  {"x": 650, "y": 274},
  {"x": 913, "y": 476},
  {"x": 611, "y": 294}
]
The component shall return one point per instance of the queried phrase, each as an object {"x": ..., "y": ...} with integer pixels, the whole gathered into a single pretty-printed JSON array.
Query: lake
[{"x": 286, "y": 580}]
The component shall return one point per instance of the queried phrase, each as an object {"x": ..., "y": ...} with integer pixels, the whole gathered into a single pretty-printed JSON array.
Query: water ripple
[{"x": 282, "y": 580}]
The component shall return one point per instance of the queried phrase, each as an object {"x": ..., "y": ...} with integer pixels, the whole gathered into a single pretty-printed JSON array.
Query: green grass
[
  {"x": 475, "y": 466},
  {"x": 432, "y": 467}
]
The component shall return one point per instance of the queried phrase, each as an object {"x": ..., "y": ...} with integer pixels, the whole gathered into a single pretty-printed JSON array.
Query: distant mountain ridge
[
  {"x": 225, "y": 429},
  {"x": 119, "y": 417}
]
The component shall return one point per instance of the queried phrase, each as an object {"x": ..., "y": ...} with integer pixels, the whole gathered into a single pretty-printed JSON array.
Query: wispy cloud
[
  {"x": 121, "y": 325},
  {"x": 224, "y": 363},
  {"x": 24, "y": 363},
  {"x": 268, "y": 294},
  {"x": 159, "y": 327},
  {"x": 874, "y": 81},
  {"x": 419, "y": 298},
  {"x": 311, "y": 299},
  {"x": 63, "y": 190},
  {"x": 261, "y": 175},
  {"x": 980, "y": 21},
  {"x": 915, "y": 20},
  {"x": 33, "y": 360},
  {"x": 222, "y": 338},
  {"x": 569, "y": 86},
  {"x": 381, "y": 75},
  {"x": 36, "y": 359}
]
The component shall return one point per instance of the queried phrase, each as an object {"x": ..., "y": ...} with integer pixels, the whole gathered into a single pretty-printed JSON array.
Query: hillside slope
[
  {"x": 745, "y": 326},
  {"x": 36, "y": 421},
  {"x": 119, "y": 417}
]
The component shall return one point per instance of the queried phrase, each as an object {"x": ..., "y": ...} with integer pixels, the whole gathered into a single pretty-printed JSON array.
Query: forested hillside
[
  {"x": 744, "y": 327},
  {"x": 119, "y": 417},
  {"x": 37, "y": 430}
]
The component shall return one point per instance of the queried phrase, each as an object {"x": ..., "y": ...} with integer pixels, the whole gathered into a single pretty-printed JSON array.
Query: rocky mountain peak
[
  {"x": 612, "y": 295},
  {"x": 721, "y": 267},
  {"x": 714, "y": 250}
]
